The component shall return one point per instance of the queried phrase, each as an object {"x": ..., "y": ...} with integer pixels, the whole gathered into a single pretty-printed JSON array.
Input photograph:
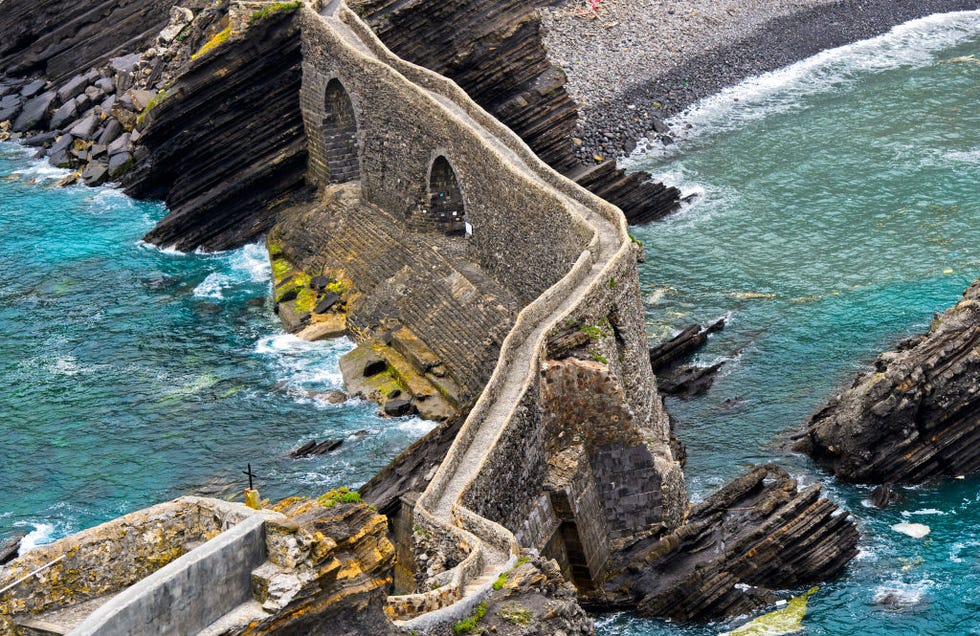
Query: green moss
[
  {"x": 500, "y": 582},
  {"x": 468, "y": 624},
  {"x": 219, "y": 38},
  {"x": 422, "y": 532},
  {"x": 598, "y": 357},
  {"x": 339, "y": 495},
  {"x": 635, "y": 240},
  {"x": 592, "y": 331},
  {"x": 612, "y": 283},
  {"x": 336, "y": 287},
  {"x": 305, "y": 298},
  {"x": 521, "y": 561},
  {"x": 272, "y": 9},
  {"x": 153, "y": 103}
]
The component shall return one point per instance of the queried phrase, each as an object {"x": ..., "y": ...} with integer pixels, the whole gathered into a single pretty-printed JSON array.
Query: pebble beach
[{"x": 633, "y": 63}]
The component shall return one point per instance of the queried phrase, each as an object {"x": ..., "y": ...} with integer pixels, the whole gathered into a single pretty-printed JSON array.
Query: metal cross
[{"x": 250, "y": 476}]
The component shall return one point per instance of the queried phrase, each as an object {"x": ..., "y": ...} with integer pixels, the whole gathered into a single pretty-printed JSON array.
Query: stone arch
[
  {"x": 339, "y": 130},
  {"x": 446, "y": 209}
]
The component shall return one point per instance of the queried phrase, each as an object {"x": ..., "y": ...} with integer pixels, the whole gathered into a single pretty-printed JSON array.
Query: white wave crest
[
  {"x": 914, "y": 44},
  {"x": 42, "y": 534}
]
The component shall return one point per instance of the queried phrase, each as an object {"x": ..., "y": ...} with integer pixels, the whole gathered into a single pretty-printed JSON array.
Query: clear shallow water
[
  {"x": 132, "y": 375},
  {"x": 840, "y": 209}
]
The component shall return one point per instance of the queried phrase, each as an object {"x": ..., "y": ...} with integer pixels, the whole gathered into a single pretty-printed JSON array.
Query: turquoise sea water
[
  {"x": 835, "y": 195},
  {"x": 132, "y": 375},
  {"x": 839, "y": 209}
]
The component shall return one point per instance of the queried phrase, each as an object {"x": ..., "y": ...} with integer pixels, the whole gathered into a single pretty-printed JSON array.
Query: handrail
[{"x": 30, "y": 574}]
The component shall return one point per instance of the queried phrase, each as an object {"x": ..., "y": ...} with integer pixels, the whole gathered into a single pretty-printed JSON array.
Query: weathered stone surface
[
  {"x": 95, "y": 174},
  {"x": 32, "y": 88},
  {"x": 73, "y": 88},
  {"x": 64, "y": 114},
  {"x": 757, "y": 534},
  {"x": 398, "y": 407},
  {"x": 118, "y": 163},
  {"x": 917, "y": 416},
  {"x": 9, "y": 547},
  {"x": 84, "y": 128},
  {"x": 35, "y": 113}
]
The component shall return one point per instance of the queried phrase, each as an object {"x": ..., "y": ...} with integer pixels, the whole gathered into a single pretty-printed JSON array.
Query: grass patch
[
  {"x": 592, "y": 331},
  {"x": 598, "y": 357},
  {"x": 343, "y": 494},
  {"x": 468, "y": 624},
  {"x": 272, "y": 9},
  {"x": 219, "y": 38},
  {"x": 500, "y": 582},
  {"x": 516, "y": 614}
]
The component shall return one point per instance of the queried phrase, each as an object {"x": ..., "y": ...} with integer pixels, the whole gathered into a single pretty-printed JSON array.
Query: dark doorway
[
  {"x": 445, "y": 199},
  {"x": 340, "y": 135}
]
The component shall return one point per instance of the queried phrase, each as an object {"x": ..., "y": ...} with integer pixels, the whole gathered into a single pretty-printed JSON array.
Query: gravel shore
[{"x": 639, "y": 61}]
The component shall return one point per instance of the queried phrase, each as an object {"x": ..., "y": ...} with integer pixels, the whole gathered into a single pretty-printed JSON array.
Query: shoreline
[{"x": 635, "y": 104}]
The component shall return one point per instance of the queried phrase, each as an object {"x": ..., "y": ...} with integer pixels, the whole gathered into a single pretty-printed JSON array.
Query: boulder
[
  {"x": 73, "y": 88},
  {"x": 120, "y": 144},
  {"x": 95, "y": 174},
  {"x": 118, "y": 163},
  {"x": 106, "y": 85},
  {"x": 110, "y": 133},
  {"x": 9, "y": 112},
  {"x": 64, "y": 115},
  {"x": 43, "y": 139},
  {"x": 141, "y": 98},
  {"x": 35, "y": 112},
  {"x": 32, "y": 88},
  {"x": 94, "y": 93},
  {"x": 125, "y": 63},
  {"x": 398, "y": 408},
  {"x": 10, "y": 546},
  {"x": 84, "y": 128},
  {"x": 373, "y": 365}
]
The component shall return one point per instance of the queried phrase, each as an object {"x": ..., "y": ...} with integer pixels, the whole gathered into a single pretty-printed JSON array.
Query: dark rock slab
[
  {"x": 688, "y": 380},
  {"x": 84, "y": 128},
  {"x": 689, "y": 340},
  {"x": 398, "y": 407},
  {"x": 757, "y": 534},
  {"x": 329, "y": 300},
  {"x": 917, "y": 416},
  {"x": 9, "y": 546},
  {"x": 118, "y": 163},
  {"x": 42, "y": 139},
  {"x": 35, "y": 112},
  {"x": 312, "y": 448},
  {"x": 65, "y": 114},
  {"x": 73, "y": 88},
  {"x": 32, "y": 88}
]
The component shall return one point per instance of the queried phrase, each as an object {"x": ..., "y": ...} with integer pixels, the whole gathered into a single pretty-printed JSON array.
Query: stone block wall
[{"x": 403, "y": 128}]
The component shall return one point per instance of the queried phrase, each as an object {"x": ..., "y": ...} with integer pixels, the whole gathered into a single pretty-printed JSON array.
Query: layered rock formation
[
  {"x": 757, "y": 534},
  {"x": 225, "y": 146},
  {"x": 916, "y": 416}
]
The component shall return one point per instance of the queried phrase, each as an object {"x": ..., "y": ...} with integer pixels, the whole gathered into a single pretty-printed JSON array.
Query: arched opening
[
  {"x": 340, "y": 135},
  {"x": 446, "y": 209}
]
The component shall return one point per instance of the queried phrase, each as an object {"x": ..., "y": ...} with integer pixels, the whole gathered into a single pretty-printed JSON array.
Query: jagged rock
[
  {"x": 32, "y": 88},
  {"x": 94, "y": 93},
  {"x": 75, "y": 87},
  {"x": 312, "y": 448},
  {"x": 688, "y": 380},
  {"x": 373, "y": 365},
  {"x": 95, "y": 174},
  {"x": 10, "y": 546},
  {"x": 35, "y": 112},
  {"x": 120, "y": 143},
  {"x": 223, "y": 183},
  {"x": 917, "y": 416},
  {"x": 42, "y": 139},
  {"x": 692, "y": 337},
  {"x": 757, "y": 534},
  {"x": 141, "y": 98},
  {"x": 106, "y": 85},
  {"x": 118, "y": 163},
  {"x": 66, "y": 113}
]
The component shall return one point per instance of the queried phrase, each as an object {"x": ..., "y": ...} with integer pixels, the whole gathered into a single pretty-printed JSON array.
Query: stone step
[{"x": 238, "y": 617}]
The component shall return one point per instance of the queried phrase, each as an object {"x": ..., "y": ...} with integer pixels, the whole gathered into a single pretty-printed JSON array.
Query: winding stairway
[{"x": 492, "y": 548}]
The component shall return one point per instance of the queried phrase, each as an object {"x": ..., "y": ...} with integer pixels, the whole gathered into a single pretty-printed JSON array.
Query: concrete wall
[{"x": 189, "y": 594}]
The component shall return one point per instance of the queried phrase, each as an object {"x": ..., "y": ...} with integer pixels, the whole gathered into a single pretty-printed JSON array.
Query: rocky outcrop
[
  {"x": 58, "y": 38},
  {"x": 916, "y": 416},
  {"x": 225, "y": 146},
  {"x": 328, "y": 570},
  {"x": 494, "y": 51},
  {"x": 757, "y": 534}
]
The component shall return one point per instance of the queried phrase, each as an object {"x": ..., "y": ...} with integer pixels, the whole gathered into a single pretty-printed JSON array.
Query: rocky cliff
[
  {"x": 916, "y": 416},
  {"x": 225, "y": 145}
]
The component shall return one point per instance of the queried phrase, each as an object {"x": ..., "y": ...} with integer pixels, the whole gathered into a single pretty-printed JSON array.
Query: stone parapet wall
[{"x": 105, "y": 559}]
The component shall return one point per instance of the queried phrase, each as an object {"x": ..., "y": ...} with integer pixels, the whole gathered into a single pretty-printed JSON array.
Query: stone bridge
[{"x": 424, "y": 152}]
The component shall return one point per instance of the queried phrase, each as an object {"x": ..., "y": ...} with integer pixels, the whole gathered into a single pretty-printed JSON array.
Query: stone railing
[{"x": 483, "y": 542}]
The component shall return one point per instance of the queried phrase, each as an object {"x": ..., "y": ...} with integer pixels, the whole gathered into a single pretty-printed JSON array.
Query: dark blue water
[
  {"x": 132, "y": 375},
  {"x": 839, "y": 210}
]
